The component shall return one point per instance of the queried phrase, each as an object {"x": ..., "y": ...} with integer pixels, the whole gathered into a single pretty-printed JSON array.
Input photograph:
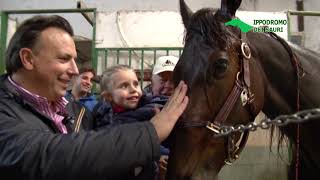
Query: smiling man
[
  {"x": 81, "y": 88},
  {"x": 161, "y": 81}
]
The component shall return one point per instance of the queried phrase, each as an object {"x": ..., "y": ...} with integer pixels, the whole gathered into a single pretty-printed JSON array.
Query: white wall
[
  {"x": 157, "y": 28},
  {"x": 83, "y": 28},
  {"x": 139, "y": 29}
]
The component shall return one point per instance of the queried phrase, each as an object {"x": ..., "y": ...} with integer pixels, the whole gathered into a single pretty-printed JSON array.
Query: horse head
[{"x": 225, "y": 88}]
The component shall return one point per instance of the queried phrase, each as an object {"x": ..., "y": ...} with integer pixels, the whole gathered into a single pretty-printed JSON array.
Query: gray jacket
[{"x": 31, "y": 147}]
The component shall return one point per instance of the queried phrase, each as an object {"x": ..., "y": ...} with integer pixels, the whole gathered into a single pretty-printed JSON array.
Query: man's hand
[{"x": 165, "y": 120}]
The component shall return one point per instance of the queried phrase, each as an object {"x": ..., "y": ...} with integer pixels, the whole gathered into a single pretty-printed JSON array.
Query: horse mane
[{"x": 208, "y": 23}]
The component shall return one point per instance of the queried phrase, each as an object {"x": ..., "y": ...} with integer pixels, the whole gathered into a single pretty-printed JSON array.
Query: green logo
[
  {"x": 244, "y": 27},
  {"x": 270, "y": 25}
]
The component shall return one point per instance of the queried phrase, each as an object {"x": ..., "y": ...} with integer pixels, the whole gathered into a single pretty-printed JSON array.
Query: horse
[{"x": 231, "y": 77}]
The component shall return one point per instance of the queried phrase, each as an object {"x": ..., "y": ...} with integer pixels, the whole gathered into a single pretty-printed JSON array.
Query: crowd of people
[{"x": 50, "y": 132}]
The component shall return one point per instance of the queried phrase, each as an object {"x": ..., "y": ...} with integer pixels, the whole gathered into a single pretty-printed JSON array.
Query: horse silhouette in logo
[{"x": 244, "y": 27}]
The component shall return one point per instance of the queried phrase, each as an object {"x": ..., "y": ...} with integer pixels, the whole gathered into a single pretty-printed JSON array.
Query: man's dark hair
[
  {"x": 28, "y": 34},
  {"x": 87, "y": 69}
]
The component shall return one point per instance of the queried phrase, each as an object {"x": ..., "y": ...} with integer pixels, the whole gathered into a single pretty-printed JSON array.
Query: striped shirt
[{"x": 41, "y": 104}]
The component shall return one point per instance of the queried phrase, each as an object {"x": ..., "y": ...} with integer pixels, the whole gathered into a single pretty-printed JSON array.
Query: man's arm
[
  {"x": 110, "y": 152},
  {"x": 29, "y": 150}
]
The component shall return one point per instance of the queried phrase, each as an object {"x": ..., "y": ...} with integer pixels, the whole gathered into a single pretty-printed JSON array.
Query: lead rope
[
  {"x": 298, "y": 125},
  {"x": 296, "y": 64},
  {"x": 298, "y": 68}
]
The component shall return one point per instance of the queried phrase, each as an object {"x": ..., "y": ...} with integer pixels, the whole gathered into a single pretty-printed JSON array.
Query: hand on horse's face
[{"x": 165, "y": 120}]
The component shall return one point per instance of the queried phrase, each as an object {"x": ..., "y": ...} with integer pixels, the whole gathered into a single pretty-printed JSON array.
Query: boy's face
[
  {"x": 84, "y": 82},
  {"x": 126, "y": 91}
]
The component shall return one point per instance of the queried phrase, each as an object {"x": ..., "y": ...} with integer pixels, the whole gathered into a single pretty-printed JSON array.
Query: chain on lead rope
[{"x": 266, "y": 123}]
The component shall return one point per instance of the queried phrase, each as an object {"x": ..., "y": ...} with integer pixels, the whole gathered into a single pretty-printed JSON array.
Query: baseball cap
[{"x": 165, "y": 63}]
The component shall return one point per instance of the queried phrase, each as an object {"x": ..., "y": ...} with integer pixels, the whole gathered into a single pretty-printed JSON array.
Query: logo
[
  {"x": 244, "y": 27},
  {"x": 259, "y": 25},
  {"x": 168, "y": 63}
]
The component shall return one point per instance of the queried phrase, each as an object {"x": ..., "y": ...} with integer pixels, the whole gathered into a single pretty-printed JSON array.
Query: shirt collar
[{"x": 38, "y": 101}]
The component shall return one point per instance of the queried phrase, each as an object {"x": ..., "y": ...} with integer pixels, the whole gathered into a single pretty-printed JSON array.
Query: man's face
[
  {"x": 126, "y": 91},
  {"x": 53, "y": 63},
  {"x": 84, "y": 82},
  {"x": 162, "y": 84}
]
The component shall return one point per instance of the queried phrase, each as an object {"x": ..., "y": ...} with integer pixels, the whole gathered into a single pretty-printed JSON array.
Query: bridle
[{"x": 241, "y": 89}]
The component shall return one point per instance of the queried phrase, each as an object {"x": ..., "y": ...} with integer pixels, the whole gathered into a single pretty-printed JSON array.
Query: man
[
  {"x": 161, "y": 83},
  {"x": 81, "y": 88},
  {"x": 34, "y": 142},
  {"x": 81, "y": 101},
  {"x": 162, "y": 87}
]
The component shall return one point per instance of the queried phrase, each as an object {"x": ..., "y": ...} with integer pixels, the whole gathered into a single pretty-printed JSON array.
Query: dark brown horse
[{"x": 219, "y": 63}]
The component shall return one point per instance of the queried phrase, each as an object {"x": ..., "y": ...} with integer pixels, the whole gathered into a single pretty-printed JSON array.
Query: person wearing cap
[
  {"x": 161, "y": 88},
  {"x": 161, "y": 83}
]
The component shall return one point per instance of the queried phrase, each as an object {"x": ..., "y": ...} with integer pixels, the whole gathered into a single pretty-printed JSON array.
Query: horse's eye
[
  {"x": 220, "y": 67},
  {"x": 217, "y": 70}
]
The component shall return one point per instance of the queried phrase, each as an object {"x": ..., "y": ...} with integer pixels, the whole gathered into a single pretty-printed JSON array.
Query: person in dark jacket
[
  {"x": 81, "y": 101},
  {"x": 34, "y": 142},
  {"x": 161, "y": 84}
]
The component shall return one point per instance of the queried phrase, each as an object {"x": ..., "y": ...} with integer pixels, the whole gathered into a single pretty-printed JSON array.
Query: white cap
[{"x": 164, "y": 63}]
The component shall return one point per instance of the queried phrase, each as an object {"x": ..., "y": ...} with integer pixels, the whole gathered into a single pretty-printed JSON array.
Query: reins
[{"x": 299, "y": 73}]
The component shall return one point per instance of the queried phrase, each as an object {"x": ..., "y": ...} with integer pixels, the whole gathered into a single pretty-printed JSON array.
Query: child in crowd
[{"x": 123, "y": 102}]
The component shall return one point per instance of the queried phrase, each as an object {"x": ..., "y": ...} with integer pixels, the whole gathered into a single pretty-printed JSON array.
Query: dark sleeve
[
  {"x": 140, "y": 114},
  {"x": 145, "y": 110},
  {"x": 29, "y": 150},
  {"x": 102, "y": 115}
]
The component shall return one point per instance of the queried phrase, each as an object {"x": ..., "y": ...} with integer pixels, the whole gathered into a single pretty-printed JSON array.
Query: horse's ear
[
  {"x": 229, "y": 7},
  {"x": 185, "y": 12}
]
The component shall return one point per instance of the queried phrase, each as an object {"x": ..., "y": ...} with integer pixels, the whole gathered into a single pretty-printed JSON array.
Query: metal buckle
[
  {"x": 244, "y": 97},
  {"x": 213, "y": 127},
  {"x": 244, "y": 48}
]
